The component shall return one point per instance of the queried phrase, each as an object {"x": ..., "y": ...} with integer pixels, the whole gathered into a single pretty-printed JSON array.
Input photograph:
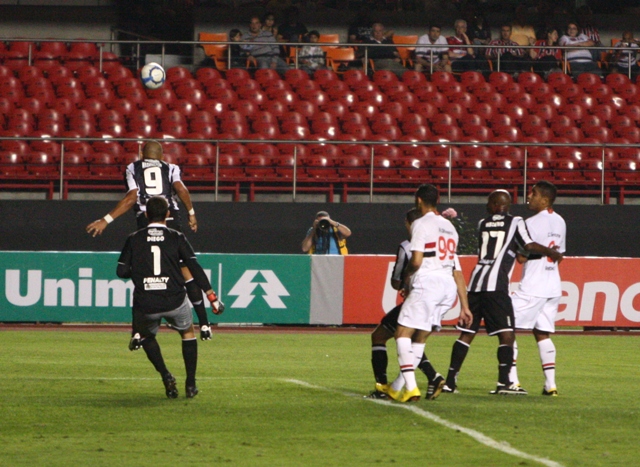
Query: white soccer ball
[{"x": 152, "y": 75}]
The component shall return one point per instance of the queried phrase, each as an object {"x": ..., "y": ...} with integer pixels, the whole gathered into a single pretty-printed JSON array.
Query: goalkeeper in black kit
[{"x": 151, "y": 258}]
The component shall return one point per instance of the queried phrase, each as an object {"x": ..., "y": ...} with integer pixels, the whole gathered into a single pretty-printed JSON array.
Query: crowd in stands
[{"x": 471, "y": 47}]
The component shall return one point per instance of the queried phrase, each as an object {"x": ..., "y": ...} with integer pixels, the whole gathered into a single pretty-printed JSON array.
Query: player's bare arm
[
  {"x": 536, "y": 248},
  {"x": 126, "y": 203},
  {"x": 185, "y": 197},
  {"x": 465, "y": 313}
]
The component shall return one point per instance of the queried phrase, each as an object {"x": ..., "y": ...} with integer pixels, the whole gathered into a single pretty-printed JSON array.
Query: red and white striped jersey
[
  {"x": 437, "y": 239},
  {"x": 540, "y": 275}
]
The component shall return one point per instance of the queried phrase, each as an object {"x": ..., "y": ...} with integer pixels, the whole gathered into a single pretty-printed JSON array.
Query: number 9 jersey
[
  {"x": 437, "y": 239},
  {"x": 152, "y": 177}
]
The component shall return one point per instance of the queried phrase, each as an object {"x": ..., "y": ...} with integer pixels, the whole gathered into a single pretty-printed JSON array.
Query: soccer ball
[{"x": 152, "y": 75}]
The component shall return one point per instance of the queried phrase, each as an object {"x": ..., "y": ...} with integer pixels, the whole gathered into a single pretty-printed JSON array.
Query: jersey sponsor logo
[
  {"x": 155, "y": 286},
  {"x": 155, "y": 280},
  {"x": 151, "y": 163},
  {"x": 271, "y": 286},
  {"x": 155, "y": 232}
]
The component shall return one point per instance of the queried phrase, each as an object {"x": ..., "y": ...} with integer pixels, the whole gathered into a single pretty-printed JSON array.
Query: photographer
[{"x": 326, "y": 236}]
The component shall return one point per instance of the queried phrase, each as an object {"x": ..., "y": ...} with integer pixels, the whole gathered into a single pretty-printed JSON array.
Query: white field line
[{"x": 481, "y": 438}]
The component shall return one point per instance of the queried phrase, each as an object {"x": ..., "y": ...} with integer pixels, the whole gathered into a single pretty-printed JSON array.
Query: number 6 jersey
[
  {"x": 437, "y": 239},
  {"x": 540, "y": 275},
  {"x": 152, "y": 178}
]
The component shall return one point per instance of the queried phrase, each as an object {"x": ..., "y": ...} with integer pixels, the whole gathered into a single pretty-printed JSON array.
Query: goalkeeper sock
[
  {"x": 190, "y": 356},
  {"x": 152, "y": 349},
  {"x": 195, "y": 297}
]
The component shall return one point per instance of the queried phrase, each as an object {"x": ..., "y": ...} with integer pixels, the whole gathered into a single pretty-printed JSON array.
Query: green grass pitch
[{"x": 81, "y": 398}]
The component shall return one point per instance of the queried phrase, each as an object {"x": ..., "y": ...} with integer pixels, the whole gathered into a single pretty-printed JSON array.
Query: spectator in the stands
[
  {"x": 522, "y": 32},
  {"x": 424, "y": 53},
  {"x": 360, "y": 28},
  {"x": 238, "y": 55},
  {"x": 579, "y": 58},
  {"x": 269, "y": 24},
  {"x": 623, "y": 60},
  {"x": 384, "y": 58},
  {"x": 266, "y": 55},
  {"x": 292, "y": 30},
  {"x": 546, "y": 57},
  {"x": 479, "y": 33},
  {"x": 311, "y": 57},
  {"x": 512, "y": 58},
  {"x": 589, "y": 29},
  {"x": 461, "y": 54}
]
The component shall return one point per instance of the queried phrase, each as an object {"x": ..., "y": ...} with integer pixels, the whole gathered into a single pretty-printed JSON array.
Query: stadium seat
[
  {"x": 366, "y": 109},
  {"x": 470, "y": 79}
]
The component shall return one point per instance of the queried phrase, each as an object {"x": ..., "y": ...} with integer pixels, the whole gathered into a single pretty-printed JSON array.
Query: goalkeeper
[{"x": 151, "y": 258}]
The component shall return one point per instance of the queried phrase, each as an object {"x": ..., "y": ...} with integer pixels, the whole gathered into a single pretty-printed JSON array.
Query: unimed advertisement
[
  {"x": 261, "y": 288},
  {"x": 83, "y": 287},
  {"x": 596, "y": 291}
]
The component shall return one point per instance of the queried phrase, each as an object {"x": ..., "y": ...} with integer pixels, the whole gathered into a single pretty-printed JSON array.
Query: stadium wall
[
  {"x": 286, "y": 289},
  {"x": 278, "y": 228}
]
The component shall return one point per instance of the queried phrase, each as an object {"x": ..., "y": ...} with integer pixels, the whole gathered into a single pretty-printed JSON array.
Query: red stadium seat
[
  {"x": 470, "y": 79},
  {"x": 413, "y": 78}
]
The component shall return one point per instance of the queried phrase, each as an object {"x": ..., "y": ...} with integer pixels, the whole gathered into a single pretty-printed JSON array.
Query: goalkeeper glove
[
  {"x": 216, "y": 305},
  {"x": 205, "y": 333},
  {"x": 136, "y": 342}
]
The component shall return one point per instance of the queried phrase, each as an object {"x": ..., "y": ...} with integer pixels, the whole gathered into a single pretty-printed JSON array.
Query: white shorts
[
  {"x": 431, "y": 296},
  {"x": 535, "y": 312}
]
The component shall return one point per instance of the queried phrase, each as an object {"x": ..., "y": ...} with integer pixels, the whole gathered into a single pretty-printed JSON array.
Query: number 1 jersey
[{"x": 151, "y": 258}]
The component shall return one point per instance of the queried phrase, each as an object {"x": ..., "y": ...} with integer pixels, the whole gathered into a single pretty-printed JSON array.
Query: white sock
[
  {"x": 513, "y": 373},
  {"x": 418, "y": 350},
  {"x": 398, "y": 383},
  {"x": 406, "y": 361},
  {"x": 548, "y": 359}
]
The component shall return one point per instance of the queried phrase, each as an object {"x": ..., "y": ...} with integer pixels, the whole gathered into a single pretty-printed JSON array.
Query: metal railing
[
  {"x": 449, "y": 145},
  {"x": 364, "y": 56}
]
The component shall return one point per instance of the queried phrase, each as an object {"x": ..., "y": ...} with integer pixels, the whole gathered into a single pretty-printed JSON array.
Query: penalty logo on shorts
[{"x": 246, "y": 286}]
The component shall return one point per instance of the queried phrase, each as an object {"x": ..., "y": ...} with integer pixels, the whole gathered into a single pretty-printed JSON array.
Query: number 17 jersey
[{"x": 499, "y": 238}]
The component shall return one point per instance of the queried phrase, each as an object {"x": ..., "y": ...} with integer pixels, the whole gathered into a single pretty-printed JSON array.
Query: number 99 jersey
[
  {"x": 152, "y": 177},
  {"x": 437, "y": 239}
]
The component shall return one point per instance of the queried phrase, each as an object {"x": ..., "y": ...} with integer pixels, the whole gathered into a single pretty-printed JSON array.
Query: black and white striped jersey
[
  {"x": 499, "y": 238},
  {"x": 402, "y": 261},
  {"x": 152, "y": 177}
]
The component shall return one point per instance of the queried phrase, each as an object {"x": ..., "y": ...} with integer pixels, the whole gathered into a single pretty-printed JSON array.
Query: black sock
[
  {"x": 458, "y": 354},
  {"x": 427, "y": 368},
  {"x": 152, "y": 349},
  {"x": 190, "y": 356},
  {"x": 195, "y": 297},
  {"x": 379, "y": 361},
  {"x": 505, "y": 360}
]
